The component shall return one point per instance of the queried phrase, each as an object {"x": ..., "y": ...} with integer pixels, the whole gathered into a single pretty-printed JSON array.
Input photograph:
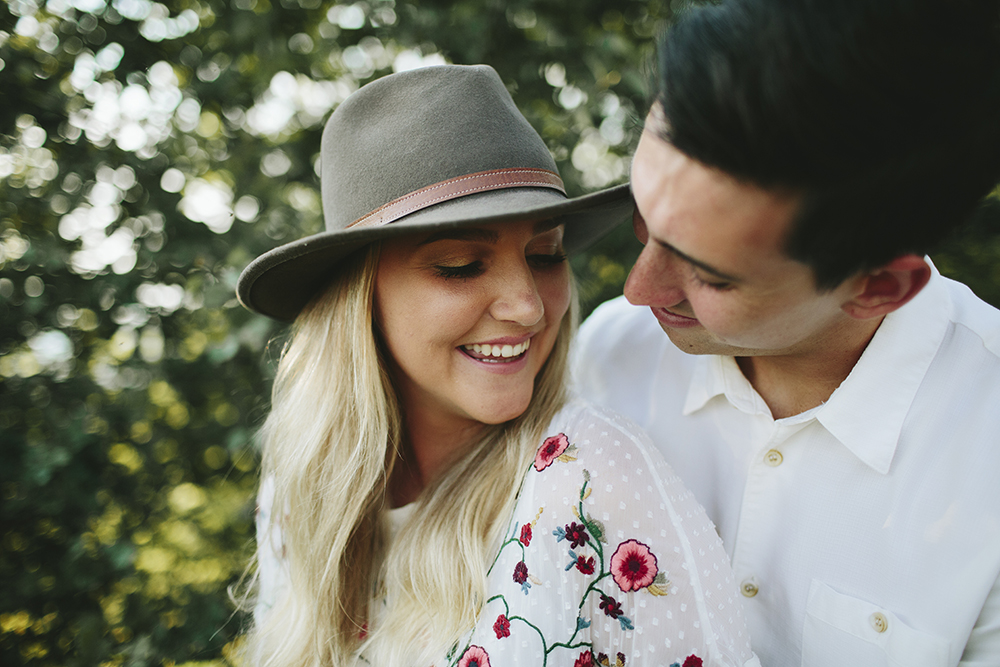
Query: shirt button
[
  {"x": 773, "y": 458},
  {"x": 748, "y": 588},
  {"x": 879, "y": 621}
]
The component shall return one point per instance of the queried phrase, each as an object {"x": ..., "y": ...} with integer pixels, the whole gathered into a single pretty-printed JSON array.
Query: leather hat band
[{"x": 495, "y": 179}]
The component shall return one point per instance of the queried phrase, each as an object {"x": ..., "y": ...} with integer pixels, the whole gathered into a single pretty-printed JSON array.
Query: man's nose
[{"x": 654, "y": 279}]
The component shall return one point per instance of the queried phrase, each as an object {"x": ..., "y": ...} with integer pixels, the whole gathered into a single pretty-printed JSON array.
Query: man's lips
[{"x": 674, "y": 320}]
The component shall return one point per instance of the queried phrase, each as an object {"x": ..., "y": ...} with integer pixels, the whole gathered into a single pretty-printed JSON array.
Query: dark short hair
[{"x": 882, "y": 114}]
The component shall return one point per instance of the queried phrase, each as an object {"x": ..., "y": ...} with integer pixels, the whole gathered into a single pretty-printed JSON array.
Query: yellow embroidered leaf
[
  {"x": 586, "y": 494},
  {"x": 656, "y": 590},
  {"x": 566, "y": 458}
]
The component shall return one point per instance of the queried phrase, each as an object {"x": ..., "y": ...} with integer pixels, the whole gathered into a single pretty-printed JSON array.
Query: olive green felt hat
[{"x": 423, "y": 150}]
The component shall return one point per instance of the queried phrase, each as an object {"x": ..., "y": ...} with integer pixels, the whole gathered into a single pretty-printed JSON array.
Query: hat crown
[{"x": 413, "y": 129}]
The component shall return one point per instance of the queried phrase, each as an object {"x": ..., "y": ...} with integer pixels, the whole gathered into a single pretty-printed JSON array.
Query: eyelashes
[
  {"x": 717, "y": 286},
  {"x": 474, "y": 269},
  {"x": 465, "y": 271},
  {"x": 544, "y": 261}
]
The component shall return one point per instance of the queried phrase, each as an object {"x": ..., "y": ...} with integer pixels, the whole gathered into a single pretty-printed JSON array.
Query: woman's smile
[
  {"x": 470, "y": 316},
  {"x": 497, "y": 352}
]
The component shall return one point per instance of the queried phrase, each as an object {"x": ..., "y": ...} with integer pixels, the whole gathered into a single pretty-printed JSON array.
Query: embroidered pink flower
[
  {"x": 520, "y": 573},
  {"x": 502, "y": 627},
  {"x": 550, "y": 450},
  {"x": 586, "y": 659},
  {"x": 633, "y": 566},
  {"x": 526, "y": 534},
  {"x": 692, "y": 661},
  {"x": 474, "y": 656}
]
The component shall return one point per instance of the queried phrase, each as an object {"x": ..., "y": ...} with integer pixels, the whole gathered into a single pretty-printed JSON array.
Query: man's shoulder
[
  {"x": 975, "y": 315},
  {"x": 617, "y": 323},
  {"x": 619, "y": 356}
]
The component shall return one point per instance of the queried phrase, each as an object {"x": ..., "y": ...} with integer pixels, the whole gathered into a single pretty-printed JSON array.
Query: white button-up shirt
[{"x": 865, "y": 531}]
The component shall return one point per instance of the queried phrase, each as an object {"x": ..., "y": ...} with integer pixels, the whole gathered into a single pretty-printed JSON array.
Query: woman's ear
[{"x": 888, "y": 287}]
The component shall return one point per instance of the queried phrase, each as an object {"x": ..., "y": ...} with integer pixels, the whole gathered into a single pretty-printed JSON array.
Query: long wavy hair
[{"x": 329, "y": 445}]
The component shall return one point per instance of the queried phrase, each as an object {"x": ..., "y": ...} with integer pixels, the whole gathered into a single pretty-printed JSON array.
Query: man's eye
[
  {"x": 470, "y": 270},
  {"x": 718, "y": 286}
]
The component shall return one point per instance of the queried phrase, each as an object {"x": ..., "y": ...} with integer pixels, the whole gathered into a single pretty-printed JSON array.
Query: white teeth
[{"x": 500, "y": 351}]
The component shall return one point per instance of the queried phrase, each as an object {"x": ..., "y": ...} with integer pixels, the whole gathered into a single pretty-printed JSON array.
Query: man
[{"x": 828, "y": 396}]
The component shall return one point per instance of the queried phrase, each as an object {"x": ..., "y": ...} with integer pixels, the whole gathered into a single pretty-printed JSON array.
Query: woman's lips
[
  {"x": 503, "y": 365},
  {"x": 498, "y": 352},
  {"x": 673, "y": 320}
]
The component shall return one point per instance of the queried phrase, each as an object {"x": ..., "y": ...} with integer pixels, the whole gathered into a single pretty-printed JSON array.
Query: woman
[{"x": 443, "y": 502}]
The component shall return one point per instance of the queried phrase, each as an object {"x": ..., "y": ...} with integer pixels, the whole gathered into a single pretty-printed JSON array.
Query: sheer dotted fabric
[{"x": 608, "y": 560}]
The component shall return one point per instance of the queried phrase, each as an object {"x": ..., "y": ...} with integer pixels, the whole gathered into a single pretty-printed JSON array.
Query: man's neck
[{"x": 792, "y": 384}]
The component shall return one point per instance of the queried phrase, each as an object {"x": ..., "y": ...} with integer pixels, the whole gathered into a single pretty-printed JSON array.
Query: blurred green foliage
[{"x": 148, "y": 151}]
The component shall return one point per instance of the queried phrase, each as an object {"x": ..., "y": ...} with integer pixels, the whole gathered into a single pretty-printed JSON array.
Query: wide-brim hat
[{"x": 423, "y": 150}]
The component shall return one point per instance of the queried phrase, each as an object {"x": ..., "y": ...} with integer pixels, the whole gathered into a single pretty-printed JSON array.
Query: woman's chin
[{"x": 502, "y": 410}]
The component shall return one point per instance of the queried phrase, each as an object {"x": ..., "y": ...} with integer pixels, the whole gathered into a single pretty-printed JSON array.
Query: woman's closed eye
[
  {"x": 470, "y": 270},
  {"x": 545, "y": 260}
]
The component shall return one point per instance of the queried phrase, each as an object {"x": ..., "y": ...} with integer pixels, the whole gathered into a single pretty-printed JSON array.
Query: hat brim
[{"x": 282, "y": 281}]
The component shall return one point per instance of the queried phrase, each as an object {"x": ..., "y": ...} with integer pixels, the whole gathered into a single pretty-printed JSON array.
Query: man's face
[{"x": 713, "y": 270}]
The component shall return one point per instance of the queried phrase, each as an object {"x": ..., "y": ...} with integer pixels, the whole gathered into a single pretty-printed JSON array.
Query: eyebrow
[
  {"x": 481, "y": 234},
  {"x": 464, "y": 234},
  {"x": 707, "y": 268}
]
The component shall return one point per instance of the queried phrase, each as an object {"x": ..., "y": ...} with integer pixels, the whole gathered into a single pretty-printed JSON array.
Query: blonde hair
[{"x": 329, "y": 444}]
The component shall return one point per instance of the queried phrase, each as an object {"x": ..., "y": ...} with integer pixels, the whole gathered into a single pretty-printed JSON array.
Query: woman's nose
[{"x": 517, "y": 298}]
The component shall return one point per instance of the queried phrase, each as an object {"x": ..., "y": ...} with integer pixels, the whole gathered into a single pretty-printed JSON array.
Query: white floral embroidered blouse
[{"x": 608, "y": 560}]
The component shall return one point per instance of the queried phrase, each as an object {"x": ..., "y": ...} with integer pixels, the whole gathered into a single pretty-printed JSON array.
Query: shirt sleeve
[
  {"x": 641, "y": 560},
  {"x": 272, "y": 567},
  {"x": 983, "y": 646}
]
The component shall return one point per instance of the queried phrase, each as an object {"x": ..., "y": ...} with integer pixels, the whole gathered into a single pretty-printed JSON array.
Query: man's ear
[{"x": 888, "y": 287}]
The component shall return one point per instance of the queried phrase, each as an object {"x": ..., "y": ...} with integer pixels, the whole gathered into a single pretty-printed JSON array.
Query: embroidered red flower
[
  {"x": 502, "y": 627},
  {"x": 633, "y": 566},
  {"x": 550, "y": 450},
  {"x": 474, "y": 656},
  {"x": 585, "y": 565},
  {"x": 692, "y": 661},
  {"x": 526, "y": 534},
  {"x": 520, "y": 573},
  {"x": 611, "y": 606},
  {"x": 586, "y": 659},
  {"x": 576, "y": 533}
]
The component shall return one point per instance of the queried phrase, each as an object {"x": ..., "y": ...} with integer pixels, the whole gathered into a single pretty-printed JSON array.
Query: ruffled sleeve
[{"x": 272, "y": 568}]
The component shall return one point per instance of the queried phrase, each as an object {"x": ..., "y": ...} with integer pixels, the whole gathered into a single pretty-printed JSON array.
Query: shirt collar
[{"x": 866, "y": 413}]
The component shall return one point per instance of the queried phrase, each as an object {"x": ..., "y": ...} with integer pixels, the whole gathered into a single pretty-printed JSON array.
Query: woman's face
[{"x": 469, "y": 316}]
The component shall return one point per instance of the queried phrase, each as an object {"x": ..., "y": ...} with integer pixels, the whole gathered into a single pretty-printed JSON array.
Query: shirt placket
[{"x": 761, "y": 500}]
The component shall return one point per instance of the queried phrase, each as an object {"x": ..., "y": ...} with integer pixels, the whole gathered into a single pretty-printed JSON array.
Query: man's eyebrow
[
  {"x": 464, "y": 234},
  {"x": 707, "y": 268}
]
